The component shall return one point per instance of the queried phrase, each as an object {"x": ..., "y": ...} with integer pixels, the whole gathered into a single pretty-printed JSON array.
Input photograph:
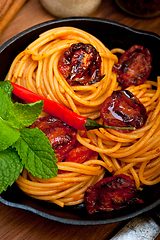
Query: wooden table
[{"x": 19, "y": 224}]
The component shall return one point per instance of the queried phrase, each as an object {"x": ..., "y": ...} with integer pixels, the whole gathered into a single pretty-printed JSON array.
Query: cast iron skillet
[{"x": 112, "y": 34}]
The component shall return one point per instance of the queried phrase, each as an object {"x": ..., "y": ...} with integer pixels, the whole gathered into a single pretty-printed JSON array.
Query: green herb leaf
[
  {"x": 23, "y": 115},
  {"x": 5, "y": 103},
  {"x": 8, "y": 135},
  {"x": 10, "y": 168},
  {"x": 7, "y": 88},
  {"x": 30, "y": 147},
  {"x": 36, "y": 153}
]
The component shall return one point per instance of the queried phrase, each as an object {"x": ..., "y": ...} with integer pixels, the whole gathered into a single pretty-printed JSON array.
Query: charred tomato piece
[
  {"x": 133, "y": 67},
  {"x": 61, "y": 136},
  {"x": 123, "y": 109},
  {"x": 80, "y": 154},
  {"x": 111, "y": 193},
  {"x": 63, "y": 140},
  {"x": 80, "y": 64}
]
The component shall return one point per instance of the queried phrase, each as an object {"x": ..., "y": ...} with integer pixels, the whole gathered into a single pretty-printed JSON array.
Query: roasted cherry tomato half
[
  {"x": 133, "y": 67},
  {"x": 111, "y": 193},
  {"x": 61, "y": 136},
  {"x": 80, "y": 64},
  {"x": 79, "y": 154},
  {"x": 123, "y": 109},
  {"x": 63, "y": 140}
]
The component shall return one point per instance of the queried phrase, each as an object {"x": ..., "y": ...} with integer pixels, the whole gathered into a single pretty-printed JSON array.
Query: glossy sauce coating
[
  {"x": 63, "y": 140},
  {"x": 123, "y": 109},
  {"x": 80, "y": 154},
  {"x": 61, "y": 136},
  {"x": 80, "y": 64},
  {"x": 134, "y": 66},
  {"x": 110, "y": 194}
]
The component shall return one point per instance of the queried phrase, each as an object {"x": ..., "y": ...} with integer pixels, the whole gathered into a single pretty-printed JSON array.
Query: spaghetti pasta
[
  {"x": 67, "y": 188},
  {"x": 136, "y": 154},
  {"x": 36, "y": 68}
]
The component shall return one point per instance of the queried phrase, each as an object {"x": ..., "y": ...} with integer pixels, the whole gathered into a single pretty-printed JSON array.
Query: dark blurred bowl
[
  {"x": 140, "y": 8},
  {"x": 112, "y": 35}
]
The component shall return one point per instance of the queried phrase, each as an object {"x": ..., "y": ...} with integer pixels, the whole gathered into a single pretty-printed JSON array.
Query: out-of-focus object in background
[
  {"x": 69, "y": 8},
  {"x": 4, "y": 6},
  {"x": 140, "y": 8},
  {"x": 8, "y": 9}
]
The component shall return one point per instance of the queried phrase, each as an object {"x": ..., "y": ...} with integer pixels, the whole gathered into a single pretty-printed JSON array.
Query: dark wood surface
[{"x": 19, "y": 224}]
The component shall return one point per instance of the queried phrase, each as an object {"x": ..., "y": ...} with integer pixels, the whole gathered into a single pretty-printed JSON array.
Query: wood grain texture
[
  {"x": 9, "y": 13},
  {"x": 19, "y": 224},
  {"x": 4, "y": 6}
]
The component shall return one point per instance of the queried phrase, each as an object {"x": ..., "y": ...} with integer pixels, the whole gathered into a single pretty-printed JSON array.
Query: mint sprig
[
  {"x": 23, "y": 115},
  {"x": 37, "y": 156},
  {"x": 20, "y": 146},
  {"x": 8, "y": 135},
  {"x": 10, "y": 168},
  {"x": 5, "y": 103}
]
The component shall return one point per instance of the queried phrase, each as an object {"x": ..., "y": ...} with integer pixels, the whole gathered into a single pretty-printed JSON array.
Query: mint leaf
[
  {"x": 7, "y": 88},
  {"x": 30, "y": 147},
  {"x": 8, "y": 135},
  {"x": 23, "y": 115},
  {"x": 10, "y": 168},
  {"x": 5, "y": 104},
  {"x": 36, "y": 153}
]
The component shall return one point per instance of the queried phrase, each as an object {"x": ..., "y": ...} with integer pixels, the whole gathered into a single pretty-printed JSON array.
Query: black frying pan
[{"x": 112, "y": 35}]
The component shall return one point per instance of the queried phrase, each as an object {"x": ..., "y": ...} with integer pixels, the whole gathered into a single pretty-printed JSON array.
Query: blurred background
[{"x": 18, "y": 15}]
